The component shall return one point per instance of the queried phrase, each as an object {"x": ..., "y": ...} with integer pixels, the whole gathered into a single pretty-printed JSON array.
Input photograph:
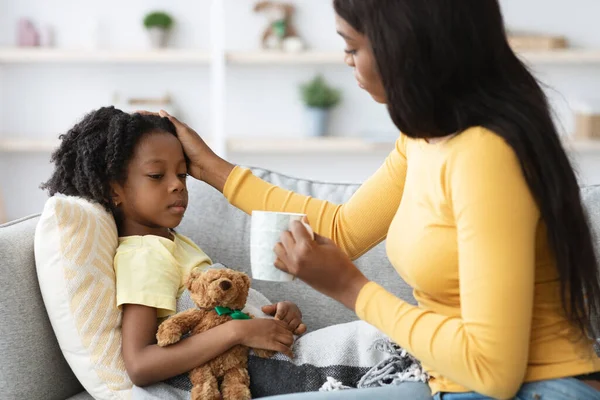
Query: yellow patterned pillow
[{"x": 75, "y": 243}]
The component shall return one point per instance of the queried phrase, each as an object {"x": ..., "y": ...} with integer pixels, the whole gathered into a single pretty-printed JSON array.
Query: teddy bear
[
  {"x": 219, "y": 294},
  {"x": 279, "y": 34}
]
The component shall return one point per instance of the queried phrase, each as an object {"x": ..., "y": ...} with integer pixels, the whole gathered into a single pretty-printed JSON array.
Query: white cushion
[{"x": 75, "y": 244}]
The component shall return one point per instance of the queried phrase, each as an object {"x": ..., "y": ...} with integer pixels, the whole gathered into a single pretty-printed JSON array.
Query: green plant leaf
[
  {"x": 317, "y": 93},
  {"x": 158, "y": 19}
]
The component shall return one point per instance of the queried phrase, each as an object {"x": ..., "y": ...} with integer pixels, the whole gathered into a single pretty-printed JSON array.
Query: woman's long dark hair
[{"x": 446, "y": 66}]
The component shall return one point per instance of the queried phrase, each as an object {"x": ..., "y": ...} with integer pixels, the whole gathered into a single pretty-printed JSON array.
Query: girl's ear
[{"x": 116, "y": 197}]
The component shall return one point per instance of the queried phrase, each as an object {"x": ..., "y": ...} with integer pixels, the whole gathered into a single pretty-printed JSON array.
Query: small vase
[
  {"x": 27, "y": 35},
  {"x": 47, "y": 36},
  {"x": 317, "y": 121},
  {"x": 158, "y": 37}
]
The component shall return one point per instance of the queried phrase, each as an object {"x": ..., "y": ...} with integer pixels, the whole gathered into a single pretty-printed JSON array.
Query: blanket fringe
[
  {"x": 399, "y": 367},
  {"x": 333, "y": 385}
]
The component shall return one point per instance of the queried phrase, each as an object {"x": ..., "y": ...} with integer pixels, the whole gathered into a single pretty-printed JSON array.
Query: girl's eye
[
  {"x": 183, "y": 176},
  {"x": 351, "y": 52},
  {"x": 155, "y": 176}
]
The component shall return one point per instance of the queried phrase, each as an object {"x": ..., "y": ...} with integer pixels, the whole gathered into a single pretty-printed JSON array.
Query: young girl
[{"x": 135, "y": 167}]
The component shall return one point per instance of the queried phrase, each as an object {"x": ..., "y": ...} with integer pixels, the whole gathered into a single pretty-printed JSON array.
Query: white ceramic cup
[{"x": 266, "y": 231}]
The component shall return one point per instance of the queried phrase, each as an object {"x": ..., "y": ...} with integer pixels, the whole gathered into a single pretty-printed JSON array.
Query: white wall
[{"x": 44, "y": 101}]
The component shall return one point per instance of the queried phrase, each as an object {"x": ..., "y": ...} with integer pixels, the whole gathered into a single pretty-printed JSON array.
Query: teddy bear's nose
[{"x": 225, "y": 285}]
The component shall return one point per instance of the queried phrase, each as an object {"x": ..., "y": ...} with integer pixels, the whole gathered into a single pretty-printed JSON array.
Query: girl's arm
[{"x": 147, "y": 363}]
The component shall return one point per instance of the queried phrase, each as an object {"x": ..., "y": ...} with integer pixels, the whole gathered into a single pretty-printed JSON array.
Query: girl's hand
[
  {"x": 265, "y": 334},
  {"x": 289, "y": 313},
  {"x": 320, "y": 263},
  {"x": 205, "y": 165}
]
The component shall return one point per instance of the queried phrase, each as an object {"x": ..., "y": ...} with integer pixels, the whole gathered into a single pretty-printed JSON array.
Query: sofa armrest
[{"x": 32, "y": 365}]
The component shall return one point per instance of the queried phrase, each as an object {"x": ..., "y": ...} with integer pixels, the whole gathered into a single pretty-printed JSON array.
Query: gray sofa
[{"x": 31, "y": 364}]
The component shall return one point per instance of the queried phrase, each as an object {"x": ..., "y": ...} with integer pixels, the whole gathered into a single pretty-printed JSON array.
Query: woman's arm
[
  {"x": 355, "y": 227},
  {"x": 486, "y": 347},
  {"x": 147, "y": 363}
]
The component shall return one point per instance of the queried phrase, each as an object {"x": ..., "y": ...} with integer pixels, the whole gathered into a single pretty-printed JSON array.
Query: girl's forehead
[{"x": 158, "y": 146}]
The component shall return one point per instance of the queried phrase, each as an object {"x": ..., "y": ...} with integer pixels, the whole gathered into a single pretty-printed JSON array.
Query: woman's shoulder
[
  {"x": 480, "y": 149},
  {"x": 478, "y": 137},
  {"x": 479, "y": 143},
  {"x": 473, "y": 139}
]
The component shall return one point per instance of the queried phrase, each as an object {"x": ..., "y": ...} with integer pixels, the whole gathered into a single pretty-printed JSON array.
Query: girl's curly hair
[{"x": 97, "y": 151}]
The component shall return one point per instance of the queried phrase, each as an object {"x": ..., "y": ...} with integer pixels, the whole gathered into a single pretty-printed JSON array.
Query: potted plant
[
  {"x": 158, "y": 24},
  {"x": 319, "y": 98}
]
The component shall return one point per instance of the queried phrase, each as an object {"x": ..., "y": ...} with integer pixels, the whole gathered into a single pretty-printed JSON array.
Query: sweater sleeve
[
  {"x": 486, "y": 347},
  {"x": 356, "y": 226}
]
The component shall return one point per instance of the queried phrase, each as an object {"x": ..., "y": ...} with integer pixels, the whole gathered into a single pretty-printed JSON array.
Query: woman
[{"x": 478, "y": 201}]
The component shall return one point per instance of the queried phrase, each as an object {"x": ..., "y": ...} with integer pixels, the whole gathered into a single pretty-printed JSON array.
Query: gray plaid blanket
[{"x": 334, "y": 358}]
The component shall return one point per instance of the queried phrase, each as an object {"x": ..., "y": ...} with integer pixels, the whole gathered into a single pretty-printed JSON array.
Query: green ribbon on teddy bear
[{"x": 235, "y": 314}]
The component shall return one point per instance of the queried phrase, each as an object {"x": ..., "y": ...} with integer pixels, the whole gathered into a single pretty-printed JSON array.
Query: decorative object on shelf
[
  {"x": 47, "y": 36},
  {"x": 154, "y": 104},
  {"x": 536, "y": 42},
  {"x": 319, "y": 98},
  {"x": 587, "y": 120},
  {"x": 91, "y": 34},
  {"x": 280, "y": 34},
  {"x": 27, "y": 35},
  {"x": 158, "y": 24}
]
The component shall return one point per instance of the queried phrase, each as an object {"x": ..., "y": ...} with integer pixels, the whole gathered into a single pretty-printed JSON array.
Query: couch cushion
[
  {"x": 591, "y": 200},
  {"x": 32, "y": 365},
  {"x": 81, "y": 396},
  {"x": 223, "y": 232},
  {"x": 75, "y": 244}
]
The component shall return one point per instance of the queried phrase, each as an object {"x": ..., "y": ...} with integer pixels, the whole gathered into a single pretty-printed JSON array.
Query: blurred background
[{"x": 263, "y": 82}]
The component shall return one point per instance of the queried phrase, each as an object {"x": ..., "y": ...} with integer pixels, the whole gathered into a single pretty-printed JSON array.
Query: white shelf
[
  {"x": 41, "y": 145},
  {"x": 567, "y": 56},
  {"x": 325, "y": 145},
  {"x": 342, "y": 145},
  {"x": 15, "y": 55},
  {"x": 43, "y": 55},
  {"x": 279, "y": 58},
  {"x": 268, "y": 145},
  {"x": 28, "y": 145},
  {"x": 559, "y": 57},
  {"x": 581, "y": 145}
]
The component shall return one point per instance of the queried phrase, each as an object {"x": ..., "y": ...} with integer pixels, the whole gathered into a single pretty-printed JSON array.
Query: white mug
[{"x": 265, "y": 233}]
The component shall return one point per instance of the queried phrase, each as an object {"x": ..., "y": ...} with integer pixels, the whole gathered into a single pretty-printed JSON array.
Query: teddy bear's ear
[
  {"x": 193, "y": 275},
  {"x": 246, "y": 280}
]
